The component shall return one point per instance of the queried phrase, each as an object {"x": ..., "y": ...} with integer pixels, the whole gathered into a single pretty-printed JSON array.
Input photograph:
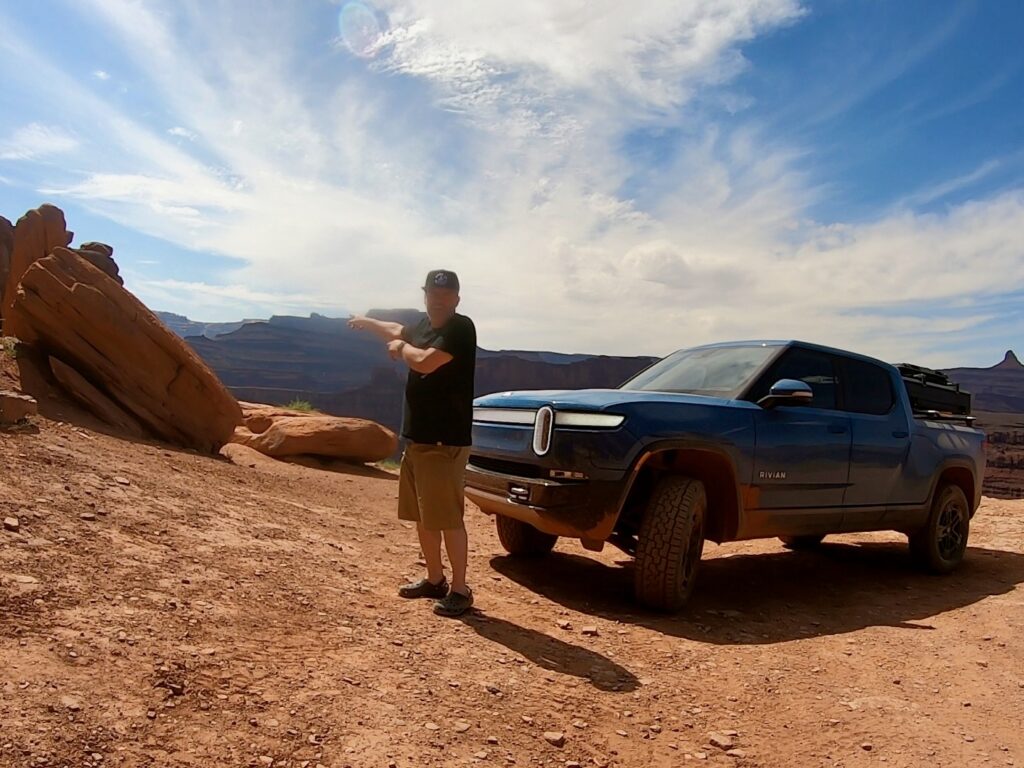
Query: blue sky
[{"x": 606, "y": 177}]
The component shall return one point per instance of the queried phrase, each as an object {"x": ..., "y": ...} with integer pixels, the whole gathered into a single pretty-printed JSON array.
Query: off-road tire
[
  {"x": 801, "y": 543},
  {"x": 671, "y": 542},
  {"x": 940, "y": 545},
  {"x": 519, "y": 538}
]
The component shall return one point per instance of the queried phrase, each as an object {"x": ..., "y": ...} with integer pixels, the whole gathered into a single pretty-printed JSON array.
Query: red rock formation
[
  {"x": 281, "y": 432},
  {"x": 36, "y": 234},
  {"x": 101, "y": 256},
  {"x": 71, "y": 310},
  {"x": 92, "y": 398},
  {"x": 6, "y": 247}
]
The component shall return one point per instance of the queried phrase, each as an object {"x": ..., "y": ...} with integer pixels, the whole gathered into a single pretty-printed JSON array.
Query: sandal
[
  {"x": 424, "y": 588},
  {"x": 454, "y": 604}
]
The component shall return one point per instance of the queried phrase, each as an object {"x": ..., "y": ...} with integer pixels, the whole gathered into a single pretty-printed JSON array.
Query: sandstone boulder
[
  {"x": 6, "y": 248},
  {"x": 84, "y": 318},
  {"x": 36, "y": 234},
  {"x": 92, "y": 398},
  {"x": 280, "y": 432},
  {"x": 15, "y": 407},
  {"x": 101, "y": 256}
]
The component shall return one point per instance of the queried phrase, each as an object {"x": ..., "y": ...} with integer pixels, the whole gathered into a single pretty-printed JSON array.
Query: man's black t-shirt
[{"x": 439, "y": 405}]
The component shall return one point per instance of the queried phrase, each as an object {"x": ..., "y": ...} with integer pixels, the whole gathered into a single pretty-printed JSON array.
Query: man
[{"x": 437, "y": 424}]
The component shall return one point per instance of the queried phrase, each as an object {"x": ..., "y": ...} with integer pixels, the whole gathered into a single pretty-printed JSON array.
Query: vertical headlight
[{"x": 542, "y": 429}]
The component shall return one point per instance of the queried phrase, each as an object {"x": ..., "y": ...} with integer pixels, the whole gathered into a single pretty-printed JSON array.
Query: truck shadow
[{"x": 760, "y": 599}]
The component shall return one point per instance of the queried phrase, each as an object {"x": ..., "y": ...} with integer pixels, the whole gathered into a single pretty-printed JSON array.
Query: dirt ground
[{"x": 159, "y": 608}]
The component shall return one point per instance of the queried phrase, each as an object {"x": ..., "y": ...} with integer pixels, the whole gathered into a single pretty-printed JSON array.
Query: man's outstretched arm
[{"x": 382, "y": 330}]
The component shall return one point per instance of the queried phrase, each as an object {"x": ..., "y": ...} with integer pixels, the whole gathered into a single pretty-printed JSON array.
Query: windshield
[{"x": 717, "y": 371}]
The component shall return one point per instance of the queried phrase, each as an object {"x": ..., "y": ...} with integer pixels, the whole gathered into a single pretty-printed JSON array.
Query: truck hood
[{"x": 592, "y": 399}]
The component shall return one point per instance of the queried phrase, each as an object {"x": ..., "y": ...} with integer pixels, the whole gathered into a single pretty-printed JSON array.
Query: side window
[
  {"x": 813, "y": 368},
  {"x": 867, "y": 388}
]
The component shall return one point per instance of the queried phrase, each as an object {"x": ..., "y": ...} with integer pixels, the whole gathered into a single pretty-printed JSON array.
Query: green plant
[
  {"x": 10, "y": 347},
  {"x": 301, "y": 405},
  {"x": 389, "y": 465}
]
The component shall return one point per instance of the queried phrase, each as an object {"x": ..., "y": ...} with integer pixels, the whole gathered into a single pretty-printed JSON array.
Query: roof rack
[{"x": 932, "y": 391}]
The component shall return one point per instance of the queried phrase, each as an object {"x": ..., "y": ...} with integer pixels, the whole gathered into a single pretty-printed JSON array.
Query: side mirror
[{"x": 787, "y": 392}]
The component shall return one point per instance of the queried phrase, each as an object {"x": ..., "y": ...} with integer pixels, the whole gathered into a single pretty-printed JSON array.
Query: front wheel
[
  {"x": 519, "y": 538},
  {"x": 940, "y": 545},
  {"x": 670, "y": 544}
]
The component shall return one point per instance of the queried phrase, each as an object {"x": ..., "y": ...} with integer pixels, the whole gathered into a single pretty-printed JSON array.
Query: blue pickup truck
[{"x": 727, "y": 442}]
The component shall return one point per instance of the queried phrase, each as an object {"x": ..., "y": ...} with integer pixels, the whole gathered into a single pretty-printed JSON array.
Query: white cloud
[
  {"x": 100, "y": 74},
  {"x": 35, "y": 141},
  {"x": 183, "y": 133}
]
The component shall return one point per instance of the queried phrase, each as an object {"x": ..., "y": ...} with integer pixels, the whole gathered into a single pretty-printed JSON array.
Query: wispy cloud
[
  {"x": 183, "y": 133},
  {"x": 100, "y": 74},
  {"x": 35, "y": 141}
]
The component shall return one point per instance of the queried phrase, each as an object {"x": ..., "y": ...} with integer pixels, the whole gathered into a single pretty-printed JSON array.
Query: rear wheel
[
  {"x": 940, "y": 545},
  {"x": 519, "y": 538},
  {"x": 670, "y": 544},
  {"x": 800, "y": 542}
]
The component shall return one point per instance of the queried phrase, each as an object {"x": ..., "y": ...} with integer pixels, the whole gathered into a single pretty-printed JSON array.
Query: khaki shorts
[{"x": 431, "y": 485}]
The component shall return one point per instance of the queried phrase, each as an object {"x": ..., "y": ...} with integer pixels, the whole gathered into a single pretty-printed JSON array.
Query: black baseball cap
[{"x": 441, "y": 278}]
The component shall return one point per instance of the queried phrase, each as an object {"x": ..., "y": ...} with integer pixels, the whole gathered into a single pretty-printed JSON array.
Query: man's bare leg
[
  {"x": 457, "y": 543},
  {"x": 430, "y": 543}
]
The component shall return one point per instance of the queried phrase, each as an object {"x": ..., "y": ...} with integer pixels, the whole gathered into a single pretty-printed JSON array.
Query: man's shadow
[
  {"x": 778, "y": 596},
  {"x": 553, "y": 654}
]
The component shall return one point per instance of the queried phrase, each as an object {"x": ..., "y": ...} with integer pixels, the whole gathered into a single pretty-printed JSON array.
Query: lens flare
[{"x": 360, "y": 30}]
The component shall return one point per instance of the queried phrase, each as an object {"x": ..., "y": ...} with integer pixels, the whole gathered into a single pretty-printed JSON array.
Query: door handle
[
  {"x": 837, "y": 429},
  {"x": 900, "y": 433}
]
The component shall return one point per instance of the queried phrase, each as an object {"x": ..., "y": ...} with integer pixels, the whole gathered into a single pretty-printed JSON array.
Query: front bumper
[{"x": 576, "y": 509}]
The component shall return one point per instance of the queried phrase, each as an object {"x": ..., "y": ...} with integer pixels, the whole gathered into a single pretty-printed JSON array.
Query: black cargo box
[{"x": 931, "y": 390}]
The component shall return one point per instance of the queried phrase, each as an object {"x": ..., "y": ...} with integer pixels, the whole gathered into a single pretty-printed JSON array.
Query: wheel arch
[{"x": 709, "y": 464}]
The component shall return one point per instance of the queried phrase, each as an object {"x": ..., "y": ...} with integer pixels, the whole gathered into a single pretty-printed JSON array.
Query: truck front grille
[{"x": 514, "y": 468}]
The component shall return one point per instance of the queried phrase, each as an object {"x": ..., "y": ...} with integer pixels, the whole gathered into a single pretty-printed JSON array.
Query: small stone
[
  {"x": 565, "y": 624},
  {"x": 867, "y": 746},
  {"x": 655, "y": 729},
  {"x": 701, "y": 755},
  {"x": 528, "y": 720},
  {"x": 969, "y": 739},
  {"x": 266, "y": 760},
  {"x": 461, "y": 726},
  {"x": 12, "y": 524},
  {"x": 122, "y": 481},
  {"x": 623, "y": 734},
  {"x": 70, "y": 702},
  {"x": 482, "y": 754},
  {"x": 491, "y": 688},
  {"x": 555, "y": 738},
  {"x": 737, "y": 753},
  {"x": 591, "y": 631},
  {"x": 721, "y": 741},
  {"x": 151, "y": 715},
  {"x": 87, "y": 516},
  {"x": 572, "y": 764},
  {"x": 581, "y": 724},
  {"x": 492, "y": 740}
]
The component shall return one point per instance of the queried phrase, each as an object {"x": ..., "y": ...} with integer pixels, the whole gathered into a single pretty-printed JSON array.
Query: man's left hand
[{"x": 395, "y": 349}]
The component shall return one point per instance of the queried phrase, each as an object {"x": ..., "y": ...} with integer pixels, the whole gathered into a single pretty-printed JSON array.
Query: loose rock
[{"x": 555, "y": 738}]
